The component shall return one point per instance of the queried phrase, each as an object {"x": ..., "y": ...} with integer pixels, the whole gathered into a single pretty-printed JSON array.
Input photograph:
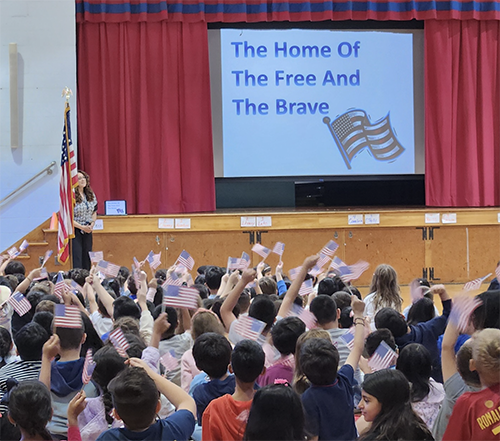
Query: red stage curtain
[
  {"x": 144, "y": 115},
  {"x": 462, "y": 113}
]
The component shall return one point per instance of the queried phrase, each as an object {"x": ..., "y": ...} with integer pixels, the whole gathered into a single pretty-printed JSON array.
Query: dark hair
[
  {"x": 268, "y": 285},
  {"x": 29, "y": 341},
  {"x": 15, "y": 267},
  {"x": 108, "y": 364},
  {"x": 44, "y": 319},
  {"x": 331, "y": 285},
  {"x": 212, "y": 354},
  {"x": 285, "y": 334},
  {"x": 421, "y": 311},
  {"x": 276, "y": 414},
  {"x": 78, "y": 275},
  {"x": 213, "y": 276},
  {"x": 244, "y": 301},
  {"x": 202, "y": 290},
  {"x": 70, "y": 338},
  {"x": 262, "y": 308},
  {"x": 133, "y": 389},
  {"x": 113, "y": 285},
  {"x": 319, "y": 361},
  {"x": 172, "y": 318},
  {"x": 464, "y": 355},
  {"x": 102, "y": 309},
  {"x": 87, "y": 190},
  {"x": 342, "y": 299},
  {"x": 324, "y": 309},
  {"x": 392, "y": 320},
  {"x": 247, "y": 361},
  {"x": 200, "y": 279},
  {"x": 123, "y": 274},
  {"x": 374, "y": 339},
  {"x": 136, "y": 345},
  {"x": 415, "y": 363},
  {"x": 124, "y": 305},
  {"x": 487, "y": 315},
  {"x": 396, "y": 419},
  {"x": 346, "y": 319},
  {"x": 31, "y": 408},
  {"x": 5, "y": 344},
  {"x": 93, "y": 340}
]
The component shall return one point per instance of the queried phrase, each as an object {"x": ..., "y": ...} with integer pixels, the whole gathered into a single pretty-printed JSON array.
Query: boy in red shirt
[{"x": 226, "y": 417}]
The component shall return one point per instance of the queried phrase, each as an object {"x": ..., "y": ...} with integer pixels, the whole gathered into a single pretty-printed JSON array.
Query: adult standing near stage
[{"x": 84, "y": 219}]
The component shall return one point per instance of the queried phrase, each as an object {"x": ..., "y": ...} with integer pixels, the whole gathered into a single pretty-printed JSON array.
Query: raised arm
[
  {"x": 226, "y": 310},
  {"x": 358, "y": 309},
  {"x": 293, "y": 291},
  {"x": 50, "y": 349},
  {"x": 448, "y": 360},
  {"x": 103, "y": 295},
  {"x": 25, "y": 284}
]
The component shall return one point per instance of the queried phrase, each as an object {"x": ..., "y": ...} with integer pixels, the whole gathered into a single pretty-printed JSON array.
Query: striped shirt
[{"x": 21, "y": 371}]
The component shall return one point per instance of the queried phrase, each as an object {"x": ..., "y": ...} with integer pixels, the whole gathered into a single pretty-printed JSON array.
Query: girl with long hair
[{"x": 386, "y": 405}]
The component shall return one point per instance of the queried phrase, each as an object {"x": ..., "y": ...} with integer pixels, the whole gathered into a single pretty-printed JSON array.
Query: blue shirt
[{"x": 329, "y": 409}]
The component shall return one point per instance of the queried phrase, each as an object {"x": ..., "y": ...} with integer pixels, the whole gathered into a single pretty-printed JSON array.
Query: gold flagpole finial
[{"x": 66, "y": 93}]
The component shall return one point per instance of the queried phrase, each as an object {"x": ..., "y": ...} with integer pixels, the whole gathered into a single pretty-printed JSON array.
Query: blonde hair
[
  {"x": 486, "y": 355},
  {"x": 205, "y": 321},
  {"x": 300, "y": 382},
  {"x": 386, "y": 288}
]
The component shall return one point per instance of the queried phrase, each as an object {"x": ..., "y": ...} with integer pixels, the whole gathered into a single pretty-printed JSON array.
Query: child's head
[
  {"x": 324, "y": 309},
  {"x": 30, "y": 408},
  {"x": 374, "y": 339},
  {"x": 212, "y": 354},
  {"x": 205, "y": 321},
  {"x": 385, "y": 285},
  {"x": 29, "y": 341},
  {"x": 464, "y": 356},
  {"x": 172, "y": 318},
  {"x": 392, "y": 320},
  {"x": 244, "y": 301},
  {"x": 319, "y": 360},
  {"x": 247, "y": 361},
  {"x": 486, "y": 355},
  {"x": 487, "y": 315},
  {"x": 285, "y": 334},
  {"x": 44, "y": 319},
  {"x": 213, "y": 277},
  {"x": 268, "y": 285},
  {"x": 70, "y": 338},
  {"x": 421, "y": 311},
  {"x": 262, "y": 308},
  {"x": 343, "y": 301},
  {"x": 415, "y": 363},
  {"x": 133, "y": 389},
  {"x": 124, "y": 305},
  {"x": 15, "y": 267},
  {"x": 128, "y": 325},
  {"x": 276, "y": 414}
]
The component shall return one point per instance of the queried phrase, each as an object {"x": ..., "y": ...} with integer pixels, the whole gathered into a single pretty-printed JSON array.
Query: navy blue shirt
[
  {"x": 204, "y": 393},
  {"x": 329, "y": 409}
]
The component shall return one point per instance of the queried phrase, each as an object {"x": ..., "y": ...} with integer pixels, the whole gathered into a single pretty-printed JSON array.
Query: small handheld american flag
[
  {"x": 173, "y": 279},
  {"x": 261, "y": 250},
  {"x": 461, "y": 310},
  {"x": 76, "y": 286},
  {"x": 475, "y": 284},
  {"x": 67, "y": 316},
  {"x": 294, "y": 272},
  {"x": 248, "y": 327},
  {"x": 349, "y": 272},
  {"x": 186, "y": 260},
  {"x": 306, "y": 288},
  {"x": 383, "y": 357},
  {"x": 323, "y": 260},
  {"x": 315, "y": 270},
  {"x": 60, "y": 287},
  {"x": 181, "y": 297},
  {"x": 96, "y": 256},
  {"x": 348, "y": 338},
  {"x": 107, "y": 268},
  {"x": 246, "y": 260},
  {"x": 154, "y": 260},
  {"x": 169, "y": 361},
  {"x": 329, "y": 249},
  {"x": 279, "y": 248},
  {"x": 235, "y": 263},
  {"x": 88, "y": 367},
  {"x": 306, "y": 316},
  {"x": 118, "y": 340},
  {"x": 20, "y": 303},
  {"x": 13, "y": 252},
  {"x": 23, "y": 246},
  {"x": 46, "y": 257}
]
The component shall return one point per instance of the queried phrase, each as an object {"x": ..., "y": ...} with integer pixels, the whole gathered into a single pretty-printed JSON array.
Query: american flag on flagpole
[
  {"x": 329, "y": 249},
  {"x": 261, "y": 250},
  {"x": 349, "y": 272},
  {"x": 69, "y": 181},
  {"x": 181, "y": 297},
  {"x": 248, "y": 327},
  {"x": 20, "y": 303},
  {"x": 383, "y": 357},
  {"x": 475, "y": 284},
  {"x": 306, "y": 288},
  {"x": 461, "y": 310},
  {"x": 60, "y": 287},
  {"x": 246, "y": 259},
  {"x": 348, "y": 338},
  {"x": 96, "y": 256},
  {"x": 46, "y": 257},
  {"x": 88, "y": 367},
  {"x": 306, "y": 316},
  {"x": 154, "y": 260},
  {"x": 107, "y": 268},
  {"x": 67, "y": 316},
  {"x": 169, "y": 361},
  {"x": 294, "y": 272},
  {"x": 118, "y": 340},
  {"x": 186, "y": 260},
  {"x": 279, "y": 248}
]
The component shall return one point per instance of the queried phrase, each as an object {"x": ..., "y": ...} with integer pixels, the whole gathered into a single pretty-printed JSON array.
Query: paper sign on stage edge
[
  {"x": 355, "y": 219},
  {"x": 98, "y": 225},
  {"x": 431, "y": 218},
  {"x": 248, "y": 221},
  {"x": 165, "y": 222},
  {"x": 372, "y": 219},
  {"x": 264, "y": 221},
  {"x": 498, "y": 217},
  {"x": 183, "y": 223},
  {"x": 449, "y": 218}
]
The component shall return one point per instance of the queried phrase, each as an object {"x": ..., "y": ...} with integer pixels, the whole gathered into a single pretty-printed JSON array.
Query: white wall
[{"x": 46, "y": 42}]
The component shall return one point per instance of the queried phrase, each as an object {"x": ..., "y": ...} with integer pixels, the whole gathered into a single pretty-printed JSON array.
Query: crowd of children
[{"x": 85, "y": 357}]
